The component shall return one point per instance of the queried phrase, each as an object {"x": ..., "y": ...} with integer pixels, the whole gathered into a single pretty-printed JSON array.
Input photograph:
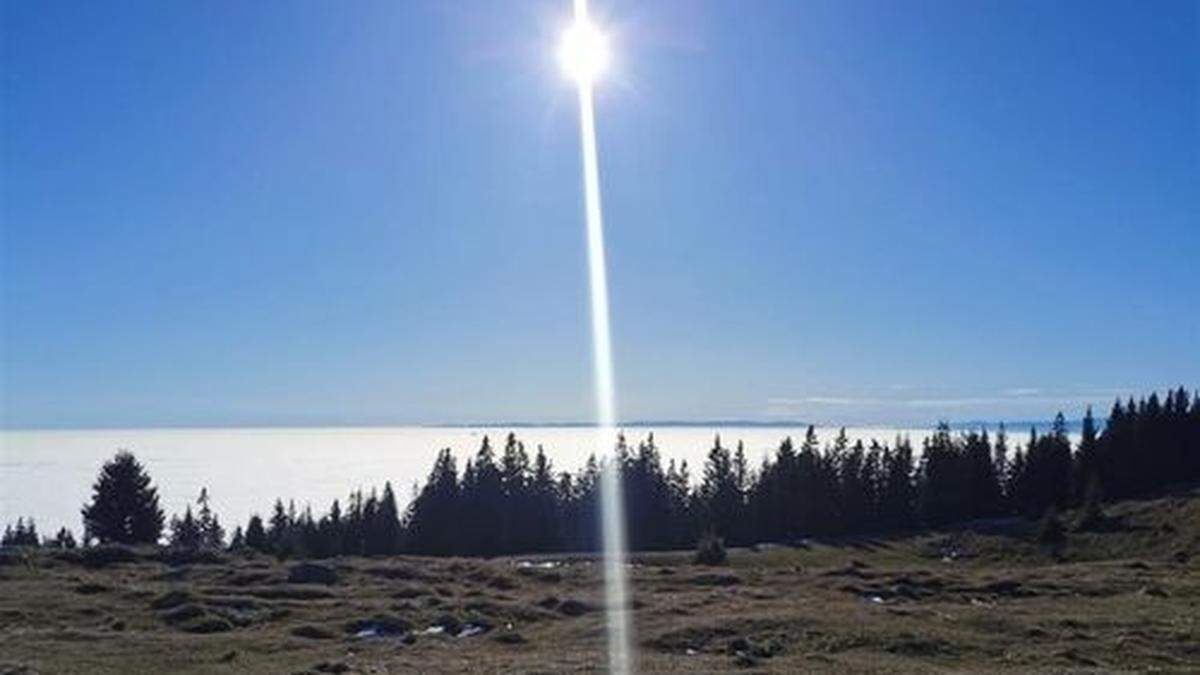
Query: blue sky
[{"x": 288, "y": 213}]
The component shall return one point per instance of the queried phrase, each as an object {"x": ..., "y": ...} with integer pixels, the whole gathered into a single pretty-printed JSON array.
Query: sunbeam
[{"x": 583, "y": 55}]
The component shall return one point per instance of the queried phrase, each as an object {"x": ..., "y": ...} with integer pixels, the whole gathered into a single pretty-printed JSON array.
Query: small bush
[
  {"x": 1092, "y": 516},
  {"x": 97, "y": 557},
  {"x": 710, "y": 550},
  {"x": 312, "y": 573},
  {"x": 182, "y": 555},
  {"x": 1050, "y": 533}
]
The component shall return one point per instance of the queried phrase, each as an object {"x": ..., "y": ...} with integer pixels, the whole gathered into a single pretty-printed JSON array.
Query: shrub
[
  {"x": 1050, "y": 533},
  {"x": 312, "y": 573},
  {"x": 1092, "y": 515},
  {"x": 96, "y": 557},
  {"x": 710, "y": 550}
]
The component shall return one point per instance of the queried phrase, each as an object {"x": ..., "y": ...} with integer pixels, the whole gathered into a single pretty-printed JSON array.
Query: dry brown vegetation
[{"x": 1125, "y": 597}]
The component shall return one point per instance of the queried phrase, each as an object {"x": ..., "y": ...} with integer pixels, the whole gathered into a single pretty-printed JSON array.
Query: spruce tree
[
  {"x": 719, "y": 494},
  {"x": 212, "y": 535},
  {"x": 64, "y": 539},
  {"x": 256, "y": 535},
  {"x": 24, "y": 534},
  {"x": 185, "y": 532},
  {"x": 237, "y": 542},
  {"x": 1087, "y": 459},
  {"x": 124, "y": 507}
]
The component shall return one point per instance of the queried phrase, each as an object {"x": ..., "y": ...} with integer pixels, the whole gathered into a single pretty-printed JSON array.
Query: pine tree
[
  {"x": 124, "y": 507},
  {"x": 899, "y": 494},
  {"x": 24, "y": 534},
  {"x": 719, "y": 494},
  {"x": 63, "y": 540},
  {"x": 1087, "y": 459},
  {"x": 1002, "y": 467},
  {"x": 516, "y": 507},
  {"x": 985, "y": 493},
  {"x": 682, "y": 527},
  {"x": 386, "y": 530},
  {"x": 278, "y": 535},
  {"x": 854, "y": 491},
  {"x": 544, "y": 524},
  {"x": 436, "y": 509},
  {"x": 256, "y": 535},
  {"x": 212, "y": 535},
  {"x": 185, "y": 532},
  {"x": 483, "y": 517},
  {"x": 944, "y": 484},
  {"x": 237, "y": 542}
]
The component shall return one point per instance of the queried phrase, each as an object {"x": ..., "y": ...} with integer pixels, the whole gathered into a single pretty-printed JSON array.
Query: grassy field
[{"x": 1124, "y": 599}]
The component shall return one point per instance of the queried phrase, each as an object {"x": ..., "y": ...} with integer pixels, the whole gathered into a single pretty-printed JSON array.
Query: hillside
[{"x": 1125, "y": 597}]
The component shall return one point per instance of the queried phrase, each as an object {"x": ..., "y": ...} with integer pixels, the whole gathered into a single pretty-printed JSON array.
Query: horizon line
[{"x": 633, "y": 424}]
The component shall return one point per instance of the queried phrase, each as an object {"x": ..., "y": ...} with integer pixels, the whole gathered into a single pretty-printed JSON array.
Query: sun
[{"x": 583, "y": 51}]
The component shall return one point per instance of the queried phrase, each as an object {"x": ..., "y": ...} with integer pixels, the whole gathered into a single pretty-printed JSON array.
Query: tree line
[{"x": 506, "y": 501}]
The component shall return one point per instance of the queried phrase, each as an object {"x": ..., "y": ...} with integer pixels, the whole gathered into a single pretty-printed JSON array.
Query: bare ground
[{"x": 986, "y": 599}]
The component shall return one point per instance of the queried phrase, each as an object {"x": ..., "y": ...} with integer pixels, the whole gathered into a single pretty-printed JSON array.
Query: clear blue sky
[{"x": 315, "y": 212}]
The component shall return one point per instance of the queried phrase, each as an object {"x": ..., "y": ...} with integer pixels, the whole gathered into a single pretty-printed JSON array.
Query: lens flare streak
[{"x": 612, "y": 501}]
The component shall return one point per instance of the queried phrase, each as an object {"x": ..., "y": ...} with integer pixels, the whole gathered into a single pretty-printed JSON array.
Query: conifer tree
[
  {"x": 256, "y": 535},
  {"x": 24, "y": 534},
  {"x": 212, "y": 535},
  {"x": 124, "y": 507},
  {"x": 185, "y": 532},
  {"x": 719, "y": 494},
  {"x": 1087, "y": 458},
  {"x": 63, "y": 539}
]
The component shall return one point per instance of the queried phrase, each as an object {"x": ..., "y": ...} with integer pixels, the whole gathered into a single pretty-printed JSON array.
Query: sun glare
[{"x": 583, "y": 52}]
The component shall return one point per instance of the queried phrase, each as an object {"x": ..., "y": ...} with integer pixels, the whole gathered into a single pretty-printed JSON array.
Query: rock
[
  {"x": 91, "y": 589},
  {"x": 448, "y": 623},
  {"x": 312, "y": 573},
  {"x": 473, "y": 627},
  {"x": 744, "y": 660},
  {"x": 380, "y": 625},
  {"x": 331, "y": 667}
]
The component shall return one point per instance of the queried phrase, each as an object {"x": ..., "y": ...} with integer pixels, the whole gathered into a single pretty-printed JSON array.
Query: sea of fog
[{"x": 47, "y": 474}]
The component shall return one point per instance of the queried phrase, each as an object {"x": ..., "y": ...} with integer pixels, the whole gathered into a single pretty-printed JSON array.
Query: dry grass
[{"x": 1126, "y": 598}]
